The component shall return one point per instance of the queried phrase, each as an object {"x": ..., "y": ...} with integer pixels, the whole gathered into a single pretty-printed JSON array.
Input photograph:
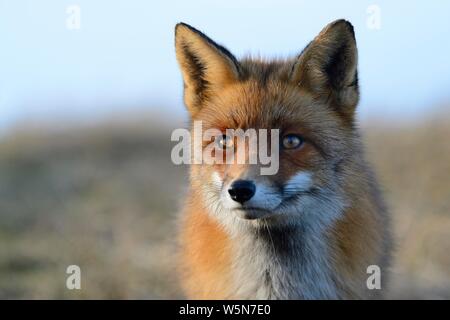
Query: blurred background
[{"x": 90, "y": 92}]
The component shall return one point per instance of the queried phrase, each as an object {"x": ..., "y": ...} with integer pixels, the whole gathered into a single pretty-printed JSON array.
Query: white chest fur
[{"x": 283, "y": 264}]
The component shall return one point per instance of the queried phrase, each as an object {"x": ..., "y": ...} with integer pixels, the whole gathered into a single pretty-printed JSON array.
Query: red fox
[{"x": 311, "y": 230}]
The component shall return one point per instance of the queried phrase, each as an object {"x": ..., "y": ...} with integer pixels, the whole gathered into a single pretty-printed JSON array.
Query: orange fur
[{"x": 205, "y": 256}]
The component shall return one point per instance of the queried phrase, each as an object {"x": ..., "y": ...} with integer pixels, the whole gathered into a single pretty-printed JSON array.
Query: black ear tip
[
  {"x": 183, "y": 25},
  {"x": 180, "y": 25},
  {"x": 344, "y": 24}
]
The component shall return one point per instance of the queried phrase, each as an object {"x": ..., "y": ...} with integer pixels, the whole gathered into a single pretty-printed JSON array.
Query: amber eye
[
  {"x": 292, "y": 141},
  {"x": 224, "y": 142}
]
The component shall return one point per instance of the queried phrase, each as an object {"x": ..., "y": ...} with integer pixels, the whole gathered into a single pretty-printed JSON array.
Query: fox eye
[
  {"x": 224, "y": 142},
  {"x": 292, "y": 141}
]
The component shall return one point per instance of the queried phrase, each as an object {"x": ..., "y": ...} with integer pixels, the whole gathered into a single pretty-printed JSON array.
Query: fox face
[{"x": 310, "y": 100}]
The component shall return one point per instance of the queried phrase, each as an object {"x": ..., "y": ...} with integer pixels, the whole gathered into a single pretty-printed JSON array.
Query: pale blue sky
[{"x": 122, "y": 59}]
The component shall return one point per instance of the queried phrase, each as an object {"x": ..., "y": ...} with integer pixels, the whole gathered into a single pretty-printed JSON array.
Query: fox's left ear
[{"x": 328, "y": 67}]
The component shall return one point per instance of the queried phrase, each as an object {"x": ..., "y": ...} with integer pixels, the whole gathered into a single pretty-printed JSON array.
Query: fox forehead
[{"x": 251, "y": 104}]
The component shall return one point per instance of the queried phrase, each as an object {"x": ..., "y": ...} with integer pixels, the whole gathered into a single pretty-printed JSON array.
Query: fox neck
[{"x": 283, "y": 263}]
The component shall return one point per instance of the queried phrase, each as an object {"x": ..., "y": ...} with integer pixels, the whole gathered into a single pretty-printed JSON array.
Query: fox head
[{"x": 311, "y": 99}]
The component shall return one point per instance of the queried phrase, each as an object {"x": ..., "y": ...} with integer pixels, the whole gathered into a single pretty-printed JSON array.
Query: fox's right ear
[{"x": 205, "y": 65}]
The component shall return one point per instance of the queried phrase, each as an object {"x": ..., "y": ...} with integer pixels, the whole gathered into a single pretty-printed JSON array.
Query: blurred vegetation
[{"x": 105, "y": 198}]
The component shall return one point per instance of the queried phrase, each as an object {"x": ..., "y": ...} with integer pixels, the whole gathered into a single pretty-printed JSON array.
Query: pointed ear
[
  {"x": 327, "y": 67},
  {"x": 205, "y": 65}
]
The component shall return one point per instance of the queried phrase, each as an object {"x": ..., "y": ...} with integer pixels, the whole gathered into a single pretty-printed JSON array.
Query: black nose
[{"x": 242, "y": 190}]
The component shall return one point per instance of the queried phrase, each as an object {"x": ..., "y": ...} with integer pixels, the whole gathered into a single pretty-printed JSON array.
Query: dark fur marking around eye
[{"x": 317, "y": 146}]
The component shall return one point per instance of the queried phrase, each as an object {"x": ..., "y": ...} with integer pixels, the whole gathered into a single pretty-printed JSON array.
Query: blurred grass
[
  {"x": 413, "y": 163},
  {"x": 105, "y": 198}
]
